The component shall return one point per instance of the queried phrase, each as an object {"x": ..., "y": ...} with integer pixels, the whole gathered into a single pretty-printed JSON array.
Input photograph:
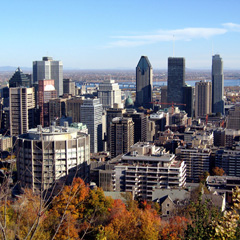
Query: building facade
[
  {"x": 21, "y": 110},
  {"x": 176, "y": 80},
  {"x": 109, "y": 93},
  {"x": 49, "y": 155},
  {"x": 121, "y": 135},
  {"x": 203, "y": 98},
  {"x": 49, "y": 69},
  {"x": 217, "y": 85},
  {"x": 144, "y": 83},
  {"x": 91, "y": 115},
  {"x": 146, "y": 167},
  {"x": 46, "y": 91},
  {"x": 233, "y": 118},
  {"x": 196, "y": 159}
]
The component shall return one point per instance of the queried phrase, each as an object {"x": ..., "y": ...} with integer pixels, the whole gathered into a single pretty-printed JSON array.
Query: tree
[
  {"x": 202, "y": 215},
  {"x": 218, "y": 171}
]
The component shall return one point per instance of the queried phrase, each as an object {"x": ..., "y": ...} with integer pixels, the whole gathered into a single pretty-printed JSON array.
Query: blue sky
[{"x": 113, "y": 34}]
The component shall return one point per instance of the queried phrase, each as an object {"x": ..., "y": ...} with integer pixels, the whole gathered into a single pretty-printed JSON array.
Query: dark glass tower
[
  {"x": 144, "y": 83},
  {"x": 217, "y": 85},
  {"x": 19, "y": 79},
  {"x": 176, "y": 80}
]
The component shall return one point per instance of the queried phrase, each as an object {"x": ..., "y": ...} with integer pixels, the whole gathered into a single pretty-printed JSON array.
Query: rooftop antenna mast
[{"x": 173, "y": 45}]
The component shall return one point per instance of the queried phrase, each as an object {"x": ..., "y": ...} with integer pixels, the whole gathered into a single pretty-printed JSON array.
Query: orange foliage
[{"x": 173, "y": 229}]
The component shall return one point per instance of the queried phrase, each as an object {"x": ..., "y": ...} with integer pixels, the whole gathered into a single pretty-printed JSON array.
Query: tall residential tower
[{"x": 144, "y": 83}]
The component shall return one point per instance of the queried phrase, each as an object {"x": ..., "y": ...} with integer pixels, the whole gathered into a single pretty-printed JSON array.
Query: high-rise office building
[
  {"x": 121, "y": 135},
  {"x": 19, "y": 79},
  {"x": 144, "y": 83},
  {"x": 112, "y": 113},
  {"x": 109, "y": 93},
  {"x": 49, "y": 69},
  {"x": 176, "y": 80},
  {"x": 217, "y": 84},
  {"x": 52, "y": 154},
  {"x": 73, "y": 108},
  {"x": 140, "y": 125},
  {"x": 91, "y": 115},
  {"x": 57, "y": 109},
  {"x": 188, "y": 99},
  {"x": 69, "y": 87},
  {"x": 21, "y": 108},
  {"x": 46, "y": 91},
  {"x": 203, "y": 98},
  {"x": 233, "y": 119}
]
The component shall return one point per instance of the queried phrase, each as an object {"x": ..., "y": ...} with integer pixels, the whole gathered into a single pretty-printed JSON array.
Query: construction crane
[{"x": 172, "y": 104}]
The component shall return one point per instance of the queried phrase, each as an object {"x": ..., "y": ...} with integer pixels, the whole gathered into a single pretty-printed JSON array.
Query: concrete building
[
  {"x": 5, "y": 142},
  {"x": 217, "y": 84},
  {"x": 91, "y": 115},
  {"x": 140, "y": 125},
  {"x": 163, "y": 96},
  {"x": 144, "y": 83},
  {"x": 233, "y": 118},
  {"x": 49, "y": 69},
  {"x": 73, "y": 108},
  {"x": 229, "y": 161},
  {"x": 46, "y": 91},
  {"x": 203, "y": 98},
  {"x": 21, "y": 109},
  {"x": 57, "y": 109},
  {"x": 69, "y": 87},
  {"x": 49, "y": 155},
  {"x": 121, "y": 135},
  {"x": 176, "y": 80},
  {"x": 109, "y": 93},
  {"x": 112, "y": 113},
  {"x": 188, "y": 92},
  {"x": 196, "y": 159},
  {"x": 146, "y": 167}
]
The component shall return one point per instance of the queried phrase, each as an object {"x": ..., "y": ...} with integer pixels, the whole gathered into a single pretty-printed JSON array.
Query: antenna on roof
[
  {"x": 173, "y": 45},
  {"x": 212, "y": 48}
]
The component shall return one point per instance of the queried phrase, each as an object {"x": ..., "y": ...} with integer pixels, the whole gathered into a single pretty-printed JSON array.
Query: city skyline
[{"x": 113, "y": 35}]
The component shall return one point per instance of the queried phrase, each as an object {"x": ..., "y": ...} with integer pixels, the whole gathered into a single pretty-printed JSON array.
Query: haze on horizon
[{"x": 115, "y": 34}]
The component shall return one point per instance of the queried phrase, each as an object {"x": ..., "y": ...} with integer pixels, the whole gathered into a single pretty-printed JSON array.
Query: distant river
[{"x": 227, "y": 83}]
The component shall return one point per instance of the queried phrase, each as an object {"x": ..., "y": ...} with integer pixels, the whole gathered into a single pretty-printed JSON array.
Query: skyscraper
[
  {"x": 49, "y": 69},
  {"x": 203, "y": 98},
  {"x": 109, "y": 93},
  {"x": 21, "y": 108},
  {"x": 121, "y": 135},
  {"x": 188, "y": 99},
  {"x": 19, "y": 79},
  {"x": 176, "y": 79},
  {"x": 144, "y": 83},
  {"x": 217, "y": 84},
  {"x": 91, "y": 115},
  {"x": 46, "y": 91}
]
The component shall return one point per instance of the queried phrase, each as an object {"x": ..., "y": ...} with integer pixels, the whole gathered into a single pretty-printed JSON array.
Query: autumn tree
[{"x": 218, "y": 171}]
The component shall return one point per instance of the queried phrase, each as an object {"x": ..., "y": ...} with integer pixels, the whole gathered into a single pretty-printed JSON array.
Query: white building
[
  {"x": 48, "y": 155},
  {"x": 109, "y": 93},
  {"x": 145, "y": 167},
  {"x": 49, "y": 69}
]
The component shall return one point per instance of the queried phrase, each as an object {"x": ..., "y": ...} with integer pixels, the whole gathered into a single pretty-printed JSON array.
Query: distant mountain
[{"x": 12, "y": 69}]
